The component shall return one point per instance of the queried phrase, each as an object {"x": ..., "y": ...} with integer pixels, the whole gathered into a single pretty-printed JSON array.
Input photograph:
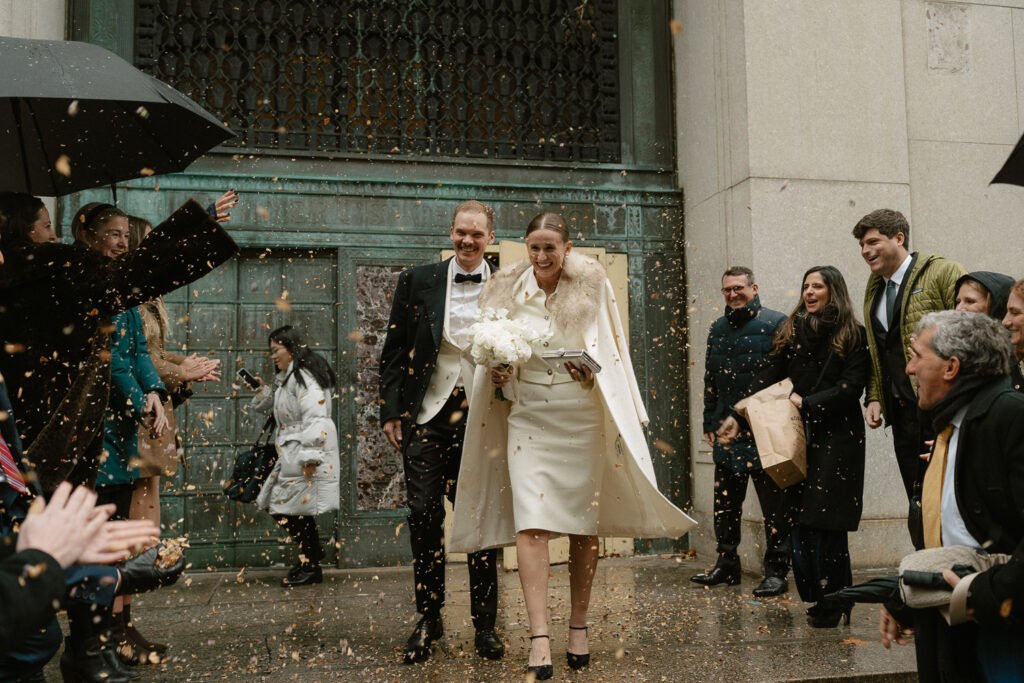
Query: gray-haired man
[{"x": 973, "y": 495}]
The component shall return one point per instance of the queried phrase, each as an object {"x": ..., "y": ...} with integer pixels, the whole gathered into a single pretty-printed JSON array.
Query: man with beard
[
  {"x": 425, "y": 370},
  {"x": 973, "y": 496},
  {"x": 737, "y": 345}
]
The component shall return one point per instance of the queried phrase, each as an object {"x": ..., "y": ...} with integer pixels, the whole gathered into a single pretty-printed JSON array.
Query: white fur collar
[{"x": 574, "y": 305}]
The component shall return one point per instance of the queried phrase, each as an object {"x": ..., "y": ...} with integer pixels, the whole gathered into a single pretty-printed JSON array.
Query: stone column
[
  {"x": 796, "y": 118},
  {"x": 34, "y": 19}
]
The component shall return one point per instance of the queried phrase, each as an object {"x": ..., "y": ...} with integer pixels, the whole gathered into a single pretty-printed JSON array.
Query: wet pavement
[{"x": 648, "y": 622}]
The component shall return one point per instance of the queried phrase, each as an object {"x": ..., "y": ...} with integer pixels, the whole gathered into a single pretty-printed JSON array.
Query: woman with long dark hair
[
  {"x": 304, "y": 481},
  {"x": 822, "y": 349}
]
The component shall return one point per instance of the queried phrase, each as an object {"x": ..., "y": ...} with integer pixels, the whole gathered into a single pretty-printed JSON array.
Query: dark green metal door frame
[{"x": 395, "y": 211}]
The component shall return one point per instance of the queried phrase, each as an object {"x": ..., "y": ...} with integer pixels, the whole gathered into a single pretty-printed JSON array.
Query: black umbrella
[
  {"x": 75, "y": 116},
  {"x": 1012, "y": 172},
  {"x": 886, "y": 589}
]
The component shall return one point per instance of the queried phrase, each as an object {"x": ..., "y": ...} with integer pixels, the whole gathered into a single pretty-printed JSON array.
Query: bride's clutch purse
[{"x": 578, "y": 357}]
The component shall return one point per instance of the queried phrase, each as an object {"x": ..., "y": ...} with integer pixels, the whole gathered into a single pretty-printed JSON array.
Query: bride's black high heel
[
  {"x": 829, "y": 615},
  {"x": 541, "y": 672},
  {"x": 575, "y": 661}
]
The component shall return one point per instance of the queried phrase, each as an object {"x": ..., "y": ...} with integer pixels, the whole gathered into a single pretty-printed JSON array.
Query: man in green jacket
[{"x": 903, "y": 287}]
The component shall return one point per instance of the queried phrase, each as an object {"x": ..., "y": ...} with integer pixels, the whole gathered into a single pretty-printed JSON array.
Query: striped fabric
[{"x": 10, "y": 468}]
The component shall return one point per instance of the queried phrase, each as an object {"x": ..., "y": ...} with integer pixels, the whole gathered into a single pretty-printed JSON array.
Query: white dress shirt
[
  {"x": 897, "y": 277},
  {"x": 463, "y": 304},
  {"x": 954, "y": 531}
]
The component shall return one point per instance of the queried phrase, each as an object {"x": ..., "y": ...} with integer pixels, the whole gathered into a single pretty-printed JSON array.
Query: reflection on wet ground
[{"x": 648, "y": 622}]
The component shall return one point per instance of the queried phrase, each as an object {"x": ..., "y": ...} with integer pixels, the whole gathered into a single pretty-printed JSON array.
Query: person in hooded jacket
[
  {"x": 983, "y": 291},
  {"x": 304, "y": 481},
  {"x": 823, "y": 350},
  {"x": 738, "y": 343}
]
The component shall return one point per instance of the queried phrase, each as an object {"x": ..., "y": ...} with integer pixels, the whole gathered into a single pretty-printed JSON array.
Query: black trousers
[
  {"x": 432, "y": 455},
  {"x": 118, "y": 494},
  {"x": 908, "y": 435},
  {"x": 779, "y": 507},
  {"x": 821, "y": 562},
  {"x": 303, "y": 529}
]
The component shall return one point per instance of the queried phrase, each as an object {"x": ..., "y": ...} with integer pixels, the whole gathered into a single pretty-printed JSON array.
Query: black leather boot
[{"x": 86, "y": 662}]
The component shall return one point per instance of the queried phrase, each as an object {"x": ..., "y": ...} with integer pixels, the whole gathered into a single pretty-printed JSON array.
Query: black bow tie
[{"x": 460, "y": 277}]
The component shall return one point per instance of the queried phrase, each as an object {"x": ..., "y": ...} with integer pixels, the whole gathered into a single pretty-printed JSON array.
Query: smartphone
[{"x": 248, "y": 378}]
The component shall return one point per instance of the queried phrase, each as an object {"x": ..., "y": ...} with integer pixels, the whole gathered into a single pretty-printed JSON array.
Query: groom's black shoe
[
  {"x": 428, "y": 629},
  {"x": 488, "y": 644},
  {"x": 730, "y": 577},
  {"x": 772, "y": 585}
]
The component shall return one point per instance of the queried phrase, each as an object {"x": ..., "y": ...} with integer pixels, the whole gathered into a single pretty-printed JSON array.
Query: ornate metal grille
[{"x": 505, "y": 79}]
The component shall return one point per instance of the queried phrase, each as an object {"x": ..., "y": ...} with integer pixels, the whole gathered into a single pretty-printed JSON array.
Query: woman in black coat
[
  {"x": 822, "y": 349},
  {"x": 56, "y": 301}
]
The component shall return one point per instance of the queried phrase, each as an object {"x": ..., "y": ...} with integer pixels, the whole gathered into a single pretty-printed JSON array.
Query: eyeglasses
[{"x": 733, "y": 290}]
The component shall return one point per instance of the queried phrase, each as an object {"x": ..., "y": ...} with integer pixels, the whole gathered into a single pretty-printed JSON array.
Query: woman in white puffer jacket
[{"x": 304, "y": 481}]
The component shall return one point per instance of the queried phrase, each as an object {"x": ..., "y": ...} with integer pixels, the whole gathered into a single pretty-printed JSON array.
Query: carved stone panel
[{"x": 380, "y": 478}]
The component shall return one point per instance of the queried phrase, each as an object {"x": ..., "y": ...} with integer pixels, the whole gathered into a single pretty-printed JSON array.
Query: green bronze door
[{"x": 361, "y": 125}]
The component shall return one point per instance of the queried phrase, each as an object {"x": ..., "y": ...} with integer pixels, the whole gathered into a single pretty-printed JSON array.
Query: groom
[{"x": 425, "y": 371}]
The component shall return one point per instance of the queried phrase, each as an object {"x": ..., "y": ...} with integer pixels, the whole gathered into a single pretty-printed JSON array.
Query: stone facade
[{"x": 796, "y": 118}]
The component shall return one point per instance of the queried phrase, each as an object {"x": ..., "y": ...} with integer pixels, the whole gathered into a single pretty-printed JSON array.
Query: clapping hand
[
  {"x": 154, "y": 418},
  {"x": 71, "y": 528},
  {"x": 196, "y": 368}
]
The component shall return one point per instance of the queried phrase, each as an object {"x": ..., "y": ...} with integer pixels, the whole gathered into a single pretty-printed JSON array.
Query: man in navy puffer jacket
[{"x": 738, "y": 344}]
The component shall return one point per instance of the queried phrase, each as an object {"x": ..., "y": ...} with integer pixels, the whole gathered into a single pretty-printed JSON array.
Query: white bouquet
[{"x": 497, "y": 340}]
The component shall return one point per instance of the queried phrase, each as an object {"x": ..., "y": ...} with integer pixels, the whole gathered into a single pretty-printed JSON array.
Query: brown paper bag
[{"x": 778, "y": 432}]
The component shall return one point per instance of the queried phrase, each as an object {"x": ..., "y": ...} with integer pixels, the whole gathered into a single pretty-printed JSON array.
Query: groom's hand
[{"x": 393, "y": 432}]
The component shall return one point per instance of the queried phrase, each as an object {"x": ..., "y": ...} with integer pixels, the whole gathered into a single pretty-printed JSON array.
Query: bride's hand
[
  {"x": 500, "y": 376},
  {"x": 580, "y": 374}
]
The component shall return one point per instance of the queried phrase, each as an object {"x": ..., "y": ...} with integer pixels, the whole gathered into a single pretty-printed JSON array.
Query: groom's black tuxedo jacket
[{"x": 413, "y": 340}]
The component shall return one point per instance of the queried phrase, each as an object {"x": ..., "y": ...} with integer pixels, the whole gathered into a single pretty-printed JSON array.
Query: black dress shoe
[
  {"x": 306, "y": 576},
  {"x": 417, "y": 648},
  {"x": 772, "y": 585},
  {"x": 488, "y": 644},
  {"x": 730, "y": 577}
]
